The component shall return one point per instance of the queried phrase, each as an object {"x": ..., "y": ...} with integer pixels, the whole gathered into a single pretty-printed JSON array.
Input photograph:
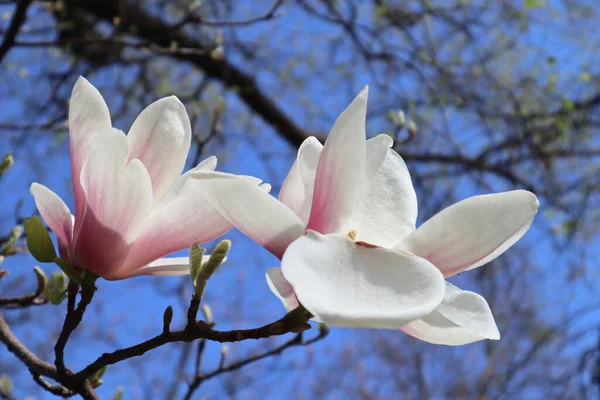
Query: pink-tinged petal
[
  {"x": 160, "y": 137},
  {"x": 118, "y": 201},
  {"x": 297, "y": 189},
  {"x": 348, "y": 284},
  {"x": 172, "y": 266},
  {"x": 340, "y": 176},
  {"x": 474, "y": 231},
  {"x": 387, "y": 210},
  {"x": 56, "y": 214},
  {"x": 253, "y": 211},
  {"x": 207, "y": 165},
  {"x": 182, "y": 218},
  {"x": 88, "y": 115},
  {"x": 463, "y": 317},
  {"x": 281, "y": 288}
]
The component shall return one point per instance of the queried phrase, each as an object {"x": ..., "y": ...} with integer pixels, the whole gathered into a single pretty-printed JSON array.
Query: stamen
[{"x": 352, "y": 234}]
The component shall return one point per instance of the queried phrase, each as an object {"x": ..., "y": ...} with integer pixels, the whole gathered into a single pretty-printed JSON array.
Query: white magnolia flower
[
  {"x": 362, "y": 263},
  {"x": 339, "y": 279}
]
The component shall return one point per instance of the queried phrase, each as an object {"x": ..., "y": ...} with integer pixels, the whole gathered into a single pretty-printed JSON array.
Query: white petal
[
  {"x": 297, "y": 189},
  {"x": 463, "y": 317},
  {"x": 281, "y": 288},
  {"x": 377, "y": 151},
  {"x": 340, "y": 175},
  {"x": 118, "y": 200},
  {"x": 387, "y": 210},
  {"x": 474, "y": 231},
  {"x": 56, "y": 214},
  {"x": 182, "y": 218},
  {"x": 160, "y": 137},
  {"x": 253, "y": 211},
  {"x": 170, "y": 266},
  {"x": 208, "y": 164},
  {"x": 344, "y": 283},
  {"x": 88, "y": 115}
]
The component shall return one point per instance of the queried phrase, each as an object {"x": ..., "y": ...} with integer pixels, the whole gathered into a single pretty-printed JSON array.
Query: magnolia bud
[
  {"x": 38, "y": 240},
  {"x": 217, "y": 257},
  {"x": 207, "y": 312},
  {"x": 6, "y": 163},
  {"x": 412, "y": 129},
  {"x": 56, "y": 291},
  {"x": 167, "y": 318}
]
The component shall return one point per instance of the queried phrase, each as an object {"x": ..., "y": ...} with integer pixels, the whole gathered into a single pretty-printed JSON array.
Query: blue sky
[{"x": 131, "y": 310}]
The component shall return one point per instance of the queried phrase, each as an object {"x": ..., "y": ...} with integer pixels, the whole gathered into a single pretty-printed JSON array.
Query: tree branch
[
  {"x": 14, "y": 27},
  {"x": 291, "y": 322},
  {"x": 296, "y": 341},
  {"x": 72, "y": 320},
  {"x": 158, "y": 32}
]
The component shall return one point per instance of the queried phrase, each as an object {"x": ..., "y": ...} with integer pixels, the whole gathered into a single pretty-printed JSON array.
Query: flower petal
[
  {"x": 252, "y": 210},
  {"x": 56, "y": 214},
  {"x": 474, "y": 231},
  {"x": 297, "y": 189},
  {"x": 463, "y": 317},
  {"x": 118, "y": 200},
  {"x": 340, "y": 175},
  {"x": 160, "y": 137},
  {"x": 281, "y": 288},
  {"x": 377, "y": 150},
  {"x": 171, "y": 266},
  {"x": 182, "y": 218},
  {"x": 88, "y": 114},
  {"x": 387, "y": 210},
  {"x": 344, "y": 283}
]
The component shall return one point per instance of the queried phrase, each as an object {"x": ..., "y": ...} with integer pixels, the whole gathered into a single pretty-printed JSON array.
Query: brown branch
[
  {"x": 154, "y": 30},
  {"x": 33, "y": 363},
  {"x": 58, "y": 390},
  {"x": 294, "y": 342},
  {"x": 15, "y": 25},
  {"x": 118, "y": 42},
  {"x": 36, "y": 298},
  {"x": 290, "y": 322},
  {"x": 191, "y": 18},
  {"x": 72, "y": 320}
]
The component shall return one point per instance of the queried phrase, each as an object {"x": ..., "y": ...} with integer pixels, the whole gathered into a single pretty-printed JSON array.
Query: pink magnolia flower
[
  {"x": 132, "y": 207},
  {"x": 362, "y": 262}
]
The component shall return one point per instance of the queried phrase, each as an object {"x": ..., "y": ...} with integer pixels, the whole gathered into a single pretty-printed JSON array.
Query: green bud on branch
[
  {"x": 68, "y": 269},
  {"x": 208, "y": 268},
  {"x": 96, "y": 379},
  {"x": 196, "y": 254},
  {"x": 42, "y": 281},
  {"x": 6, "y": 163},
  {"x": 56, "y": 291},
  {"x": 38, "y": 240},
  {"x": 8, "y": 247},
  {"x": 207, "y": 312}
]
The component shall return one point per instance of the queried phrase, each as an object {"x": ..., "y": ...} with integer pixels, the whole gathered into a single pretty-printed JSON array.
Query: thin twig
[
  {"x": 15, "y": 25},
  {"x": 200, "y": 330},
  {"x": 32, "y": 299},
  {"x": 191, "y": 18},
  {"x": 296, "y": 341}
]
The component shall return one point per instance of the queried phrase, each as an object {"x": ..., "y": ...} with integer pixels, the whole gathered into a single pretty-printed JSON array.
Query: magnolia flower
[
  {"x": 339, "y": 271},
  {"x": 131, "y": 204},
  {"x": 362, "y": 262}
]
